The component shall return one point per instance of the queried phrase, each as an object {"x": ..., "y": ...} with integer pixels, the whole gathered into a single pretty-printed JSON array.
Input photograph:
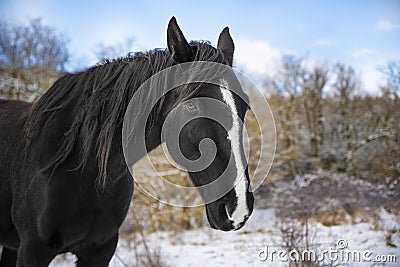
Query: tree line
[{"x": 322, "y": 122}]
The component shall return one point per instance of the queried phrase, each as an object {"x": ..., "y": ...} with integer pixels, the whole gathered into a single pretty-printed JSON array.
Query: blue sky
[{"x": 364, "y": 34}]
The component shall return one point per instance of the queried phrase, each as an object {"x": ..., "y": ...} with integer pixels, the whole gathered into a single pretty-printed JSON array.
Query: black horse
[{"x": 64, "y": 183}]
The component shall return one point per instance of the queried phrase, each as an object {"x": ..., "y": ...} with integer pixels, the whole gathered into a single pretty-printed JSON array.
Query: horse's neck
[
  {"x": 144, "y": 140},
  {"x": 140, "y": 145}
]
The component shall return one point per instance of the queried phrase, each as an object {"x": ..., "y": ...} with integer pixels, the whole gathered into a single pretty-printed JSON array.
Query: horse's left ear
[
  {"x": 177, "y": 44},
  {"x": 225, "y": 43}
]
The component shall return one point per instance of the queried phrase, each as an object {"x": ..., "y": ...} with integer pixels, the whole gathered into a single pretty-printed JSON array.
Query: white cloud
[
  {"x": 385, "y": 25},
  {"x": 370, "y": 79},
  {"x": 366, "y": 62},
  {"x": 363, "y": 52},
  {"x": 326, "y": 42},
  {"x": 367, "y": 65},
  {"x": 257, "y": 58}
]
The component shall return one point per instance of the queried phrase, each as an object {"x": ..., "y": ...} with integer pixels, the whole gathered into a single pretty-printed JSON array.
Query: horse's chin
[{"x": 217, "y": 221}]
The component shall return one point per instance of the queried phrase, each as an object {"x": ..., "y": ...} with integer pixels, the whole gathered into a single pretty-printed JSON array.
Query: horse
[{"x": 64, "y": 182}]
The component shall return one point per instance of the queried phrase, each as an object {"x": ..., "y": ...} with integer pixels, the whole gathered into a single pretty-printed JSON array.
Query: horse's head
[{"x": 210, "y": 124}]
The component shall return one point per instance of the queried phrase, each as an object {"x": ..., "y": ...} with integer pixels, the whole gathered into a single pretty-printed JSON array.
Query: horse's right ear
[{"x": 177, "y": 44}]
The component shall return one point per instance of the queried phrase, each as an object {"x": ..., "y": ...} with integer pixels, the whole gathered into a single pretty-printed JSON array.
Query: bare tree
[
  {"x": 392, "y": 75},
  {"x": 390, "y": 121},
  {"x": 345, "y": 86},
  {"x": 114, "y": 51},
  {"x": 31, "y": 56},
  {"x": 289, "y": 84},
  {"x": 314, "y": 83}
]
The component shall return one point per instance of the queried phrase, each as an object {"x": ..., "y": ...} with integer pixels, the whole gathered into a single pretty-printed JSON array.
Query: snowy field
[{"x": 209, "y": 247}]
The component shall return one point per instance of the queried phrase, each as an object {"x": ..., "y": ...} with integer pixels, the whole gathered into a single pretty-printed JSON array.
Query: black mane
[{"x": 101, "y": 95}]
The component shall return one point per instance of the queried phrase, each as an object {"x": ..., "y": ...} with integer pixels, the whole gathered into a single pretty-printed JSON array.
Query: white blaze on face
[{"x": 240, "y": 187}]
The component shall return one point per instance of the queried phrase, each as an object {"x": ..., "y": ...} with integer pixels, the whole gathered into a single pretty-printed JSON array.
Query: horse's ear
[
  {"x": 177, "y": 44},
  {"x": 225, "y": 43}
]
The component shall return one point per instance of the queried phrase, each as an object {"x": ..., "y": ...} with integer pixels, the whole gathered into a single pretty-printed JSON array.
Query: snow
[{"x": 240, "y": 248}]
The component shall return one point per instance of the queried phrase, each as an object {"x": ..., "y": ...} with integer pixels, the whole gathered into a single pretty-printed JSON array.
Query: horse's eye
[{"x": 191, "y": 106}]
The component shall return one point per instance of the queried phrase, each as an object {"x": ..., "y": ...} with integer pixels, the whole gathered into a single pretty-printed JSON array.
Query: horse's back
[
  {"x": 12, "y": 119},
  {"x": 13, "y": 105}
]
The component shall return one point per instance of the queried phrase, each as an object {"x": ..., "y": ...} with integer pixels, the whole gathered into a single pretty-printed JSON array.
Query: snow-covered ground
[{"x": 205, "y": 246}]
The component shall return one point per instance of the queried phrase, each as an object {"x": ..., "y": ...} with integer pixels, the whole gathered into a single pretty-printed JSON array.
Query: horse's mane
[{"x": 101, "y": 95}]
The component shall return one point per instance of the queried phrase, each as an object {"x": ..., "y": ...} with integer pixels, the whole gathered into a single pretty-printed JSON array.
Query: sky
[{"x": 364, "y": 34}]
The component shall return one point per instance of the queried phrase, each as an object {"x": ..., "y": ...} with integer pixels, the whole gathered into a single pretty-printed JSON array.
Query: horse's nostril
[
  {"x": 227, "y": 212},
  {"x": 223, "y": 211}
]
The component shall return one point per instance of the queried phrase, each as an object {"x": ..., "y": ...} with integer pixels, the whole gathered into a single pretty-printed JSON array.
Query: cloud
[
  {"x": 371, "y": 80},
  {"x": 258, "y": 58},
  {"x": 363, "y": 52},
  {"x": 385, "y": 25},
  {"x": 367, "y": 63},
  {"x": 325, "y": 42}
]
